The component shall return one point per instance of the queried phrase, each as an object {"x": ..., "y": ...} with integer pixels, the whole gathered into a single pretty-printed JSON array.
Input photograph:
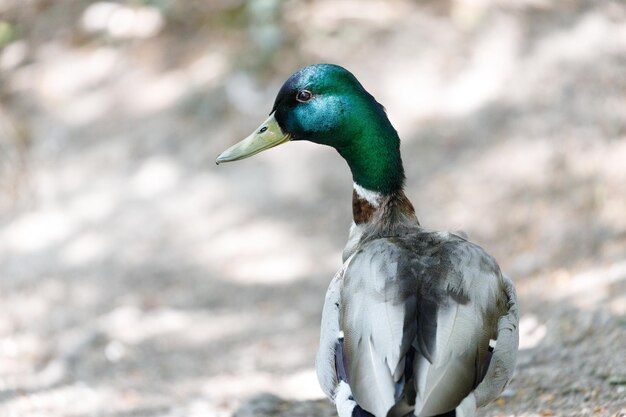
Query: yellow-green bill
[{"x": 268, "y": 135}]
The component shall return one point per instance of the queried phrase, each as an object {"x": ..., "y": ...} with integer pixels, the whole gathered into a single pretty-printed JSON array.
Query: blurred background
[{"x": 139, "y": 279}]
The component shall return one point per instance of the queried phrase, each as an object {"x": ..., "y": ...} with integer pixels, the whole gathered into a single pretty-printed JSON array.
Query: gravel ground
[{"x": 139, "y": 279}]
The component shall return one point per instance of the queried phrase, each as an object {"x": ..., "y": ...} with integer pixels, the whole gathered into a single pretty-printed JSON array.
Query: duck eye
[{"x": 304, "y": 96}]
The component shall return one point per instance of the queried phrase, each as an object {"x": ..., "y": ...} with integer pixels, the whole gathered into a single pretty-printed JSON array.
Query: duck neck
[
  {"x": 373, "y": 207},
  {"x": 371, "y": 146},
  {"x": 374, "y": 159}
]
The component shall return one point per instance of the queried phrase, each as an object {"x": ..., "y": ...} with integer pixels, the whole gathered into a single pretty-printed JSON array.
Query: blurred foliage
[{"x": 8, "y": 33}]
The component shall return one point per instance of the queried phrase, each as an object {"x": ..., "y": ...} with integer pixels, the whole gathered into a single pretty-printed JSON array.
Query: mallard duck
[{"x": 416, "y": 322}]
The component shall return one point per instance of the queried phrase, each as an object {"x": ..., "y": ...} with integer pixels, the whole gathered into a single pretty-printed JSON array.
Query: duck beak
[{"x": 268, "y": 135}]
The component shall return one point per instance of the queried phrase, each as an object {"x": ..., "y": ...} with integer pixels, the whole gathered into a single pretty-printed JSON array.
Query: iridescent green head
[{"x": 326, "y": 104}]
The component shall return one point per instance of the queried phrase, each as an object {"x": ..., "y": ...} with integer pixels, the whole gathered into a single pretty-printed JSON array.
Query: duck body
[
  {"x": 409, "y": 318},
  {"x": 415, "y": 322}
]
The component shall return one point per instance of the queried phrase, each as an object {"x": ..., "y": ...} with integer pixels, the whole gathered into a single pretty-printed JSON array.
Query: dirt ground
[{"x": 139, "y": 279}]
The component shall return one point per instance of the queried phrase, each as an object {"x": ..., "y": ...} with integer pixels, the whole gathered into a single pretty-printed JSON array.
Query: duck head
[{"x": 326, "y": 104}]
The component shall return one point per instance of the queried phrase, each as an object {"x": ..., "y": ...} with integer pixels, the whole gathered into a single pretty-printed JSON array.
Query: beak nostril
[{"x": 263, "y": 129}]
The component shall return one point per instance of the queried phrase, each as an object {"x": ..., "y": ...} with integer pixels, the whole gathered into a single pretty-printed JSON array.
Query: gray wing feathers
[
  {"x": 444, "y": 382},
  {"x": 329, "y": 334},
  {"x": 504, "y": 357},
  {"x": 377, "y": 312},
  {"x": 503, "y": 360},
  {"x": 466, "y": 319}
]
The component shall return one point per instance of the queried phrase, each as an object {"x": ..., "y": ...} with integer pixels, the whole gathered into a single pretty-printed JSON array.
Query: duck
[{"x": 416, "y": 322}]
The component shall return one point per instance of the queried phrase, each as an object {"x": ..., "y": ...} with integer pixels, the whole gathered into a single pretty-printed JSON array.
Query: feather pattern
[
  {"x": 374, "y": 331},
  {"x": 329, "y": 336},
  {"x": 436, "y": 296}
]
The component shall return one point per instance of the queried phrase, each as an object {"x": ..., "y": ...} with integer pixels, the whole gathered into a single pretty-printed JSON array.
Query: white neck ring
[{"x": 373, "y": 197}]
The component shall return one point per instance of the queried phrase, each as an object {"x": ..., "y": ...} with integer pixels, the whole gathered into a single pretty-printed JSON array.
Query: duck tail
[
  {"x": 448, "y": 414},
  {"x": 359, "y": 412}
]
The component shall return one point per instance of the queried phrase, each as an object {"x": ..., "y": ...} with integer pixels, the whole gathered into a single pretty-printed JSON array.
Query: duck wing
[
  {"x": 330, "y": 335},
  {"x": 377, "y": 316},
  {"x": 471, "y": 297},
  {"x": 502, "y": 364}
]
